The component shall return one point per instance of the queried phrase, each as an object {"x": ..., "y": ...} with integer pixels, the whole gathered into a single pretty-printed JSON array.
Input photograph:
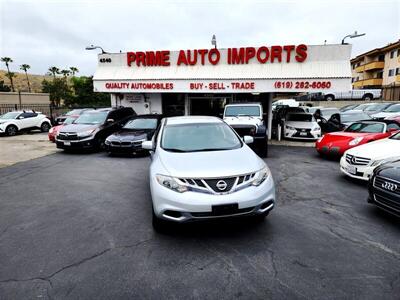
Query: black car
[
  {"x": 72, "y": 113},
  {"x": 92, "y": 128},
  {"x": 339, "y": 121},
  {"x": 129, "y": 139},
  {"x": 384, "y": 187}
]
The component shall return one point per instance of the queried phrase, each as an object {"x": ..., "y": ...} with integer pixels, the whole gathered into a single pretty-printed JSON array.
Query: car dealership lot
[{"x": 79, "y": 226}]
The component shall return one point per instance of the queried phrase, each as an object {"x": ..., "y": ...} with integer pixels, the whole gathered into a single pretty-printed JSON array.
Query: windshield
[
  {"x": 299, "y": 117},
  {"x": 92, "y": 118},
  {"x": 69, "y": 121},
  {"x": 199, "y": 137},
  {"x": 366, "y": 127},
  {"x": 10, "y": 115},
  {"x": 393, "y": 108},
  {"x": 141, "y": 124},
  {"x": 75, "y": 112},
  {"x": 233, "y": 111},
  {"x": 376, "y": 107},
  {"x": 354, "y": 117}
]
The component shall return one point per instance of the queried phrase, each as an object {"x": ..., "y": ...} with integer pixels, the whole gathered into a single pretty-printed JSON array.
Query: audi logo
[
  {"x": 389, "y": 186},
  {"x": 221, "y": 185}
]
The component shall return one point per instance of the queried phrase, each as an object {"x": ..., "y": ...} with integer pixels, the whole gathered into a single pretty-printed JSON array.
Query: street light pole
[
  {"x": 352, "y": 36},
  {"x": 214, "y": 41},
  {"x": 92, "y": 47}
]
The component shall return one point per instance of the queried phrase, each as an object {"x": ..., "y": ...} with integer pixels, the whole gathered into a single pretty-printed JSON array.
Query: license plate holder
[
  {"x": 67, "y": 143},
  {"x": 303, "y": 133},
  {"x": 225, "y": 209},
  {"x": 351, "y": 169}
]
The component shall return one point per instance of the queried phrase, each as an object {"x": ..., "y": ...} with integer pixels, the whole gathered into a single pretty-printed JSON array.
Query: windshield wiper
[
  {"x": 174, "y": 150},
  {"x": 210, "y": 149}
]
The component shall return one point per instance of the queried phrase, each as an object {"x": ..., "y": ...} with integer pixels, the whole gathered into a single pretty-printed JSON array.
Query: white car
[
  {"x": 13, "y": 122},
  {"x": 301, "y": 126},
  {"x": 360, "y": 162},
  {"x": 202, "y": 169},
  {"x": 391, "y": 111}
]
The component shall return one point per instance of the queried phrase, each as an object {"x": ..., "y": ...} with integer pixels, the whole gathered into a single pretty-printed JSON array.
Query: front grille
[
  {"x": 65, "y": 136},
  {"x": 219, "y": 214},
  {"x": 242, "y": 131},
  {"x": 303, "y": 133},
  {"x": 219, "y": 185},
  {"x": 388, "y": 185},
  {"x": 356, "y": 160},
  {"x": 387, "y": 202}
]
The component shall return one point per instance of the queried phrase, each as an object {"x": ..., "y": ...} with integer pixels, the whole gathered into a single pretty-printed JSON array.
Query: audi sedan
[{"x": 201, "y": 169}]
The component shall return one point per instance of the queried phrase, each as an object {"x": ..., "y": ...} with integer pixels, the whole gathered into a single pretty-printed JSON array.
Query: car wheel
[
  {"x": 367, "y": 97},
  {"x": 329, "y": 97},
  {"x": 11, "y": 130},
  {"x": 159, "y": 225},
  {"x": 45, "y": 127}
]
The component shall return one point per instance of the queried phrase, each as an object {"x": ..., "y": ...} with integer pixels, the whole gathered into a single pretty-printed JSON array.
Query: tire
[
  {"x": 45, "y": 127},
  {"x": 367, "y": 97},
  {"x": 159, "y": 225},
  {"x": 260, "y": 218},
  {"x": 329, "y": 97},
  {"x": 11, "y": 130}
]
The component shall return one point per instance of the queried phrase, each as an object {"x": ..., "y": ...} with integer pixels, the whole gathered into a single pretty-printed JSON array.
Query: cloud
[{"x": 47, "y": 33}]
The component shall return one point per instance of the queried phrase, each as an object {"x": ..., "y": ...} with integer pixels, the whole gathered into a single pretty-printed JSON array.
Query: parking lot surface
[{"x": 76, "y": 226}]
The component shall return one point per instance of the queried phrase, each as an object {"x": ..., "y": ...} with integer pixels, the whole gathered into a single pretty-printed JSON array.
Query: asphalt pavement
[{"x": 78, "y": 226}]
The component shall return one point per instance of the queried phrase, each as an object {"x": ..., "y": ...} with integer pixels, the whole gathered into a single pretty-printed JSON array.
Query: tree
[
  {"x": 10, "y": 75},
  {"x": 3, "y": 87},
  {"x": 25, "y": 68},
  {"x": 73, "y": 70},
  {"x": 84, "y": 94},
  {"x": 54, "y": 71},
  {"x": 58, "y": 89},
  {"x": 65, "y": 73}
]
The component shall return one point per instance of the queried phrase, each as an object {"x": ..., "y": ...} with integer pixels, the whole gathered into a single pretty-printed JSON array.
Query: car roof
[
  {"x": 192, "y": 119},
  {"x": 148, "y": 116},
  {"x": 245, "y": 103}
]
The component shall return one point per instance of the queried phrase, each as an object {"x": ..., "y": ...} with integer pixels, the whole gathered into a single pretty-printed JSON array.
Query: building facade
[{"x": 378, "y": 68}]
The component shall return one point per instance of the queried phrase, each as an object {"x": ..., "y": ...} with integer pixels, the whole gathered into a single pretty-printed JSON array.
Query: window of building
[
  {"x": 379, "y": 74},
  {"x": 397, "y": 71},
  {"x": 381, "y": 57},
  {"x": 391, "y": 72},
  {"x": 392, "y": 54},
  {"x": 398, "y": 52}
]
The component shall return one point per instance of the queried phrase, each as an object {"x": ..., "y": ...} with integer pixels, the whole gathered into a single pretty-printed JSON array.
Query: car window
[
  {"x": 353, "y": 117},
  {"x": 233, "y": 111},
  {"x": 28, "y": 115},
  {"x": 145, "y": 123},
  {"x": 69, "y": 120},
  {"x": 92, "y": 118},
  {"x": 10, "y": 115},
  {"x": 376, "y": 107},
  {"x": 199, "y": 137},
  {"x": 393, "y": 108},
  {"x": 393, "y": 126},
  {"x": 396, "y": 136},
  {"x": 366, "y": 127}
]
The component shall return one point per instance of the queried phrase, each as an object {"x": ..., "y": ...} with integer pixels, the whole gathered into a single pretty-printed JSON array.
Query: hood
[
  {"x": 345, "y": 136},
  {"x": 130, "y": 135},
  {"x": 381, "y": 149},
  {"x": 390, "y": 170},
  {"x": 232, "y": 121},
  {"x": 385, "y": 114},
  {"x": 211, "y": 164},
  {"x": 6, "y": 120},
  {"x": 303, "y": 125},
  {"x": 78, "y": 127}
]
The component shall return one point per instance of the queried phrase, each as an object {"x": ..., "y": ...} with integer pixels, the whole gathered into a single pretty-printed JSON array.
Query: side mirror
[
  {"x": 248, "y": 139},
  {"x": 148, "y": 145},
  {"x": 110, "y": 121}
]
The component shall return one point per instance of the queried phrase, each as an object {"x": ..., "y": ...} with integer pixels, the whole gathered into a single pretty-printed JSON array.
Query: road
[{"x": 79, "y": 227}]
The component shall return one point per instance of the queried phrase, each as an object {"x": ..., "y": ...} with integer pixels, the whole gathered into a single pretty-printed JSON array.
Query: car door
[{"x": 25, "y": 120}]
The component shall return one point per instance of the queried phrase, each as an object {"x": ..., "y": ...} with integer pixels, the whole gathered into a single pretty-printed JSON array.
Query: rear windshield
[
  {"x": 376, "y": 107},
  {"x": 299, "y": 117},
  {"x": 69, "y": 120},
  {"x": 366, "y": 127},
  {"x": 233, "y": 111},
  {"x": 393, "y": 108}
]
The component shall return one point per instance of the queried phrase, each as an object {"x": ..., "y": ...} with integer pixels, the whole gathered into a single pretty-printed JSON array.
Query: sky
[{"x": 55, "y": 33}]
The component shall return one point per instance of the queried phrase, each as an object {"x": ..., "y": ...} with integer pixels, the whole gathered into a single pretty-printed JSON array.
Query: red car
[
  {"x": 54, "y": 130},
  {"x": 358, "y": 133}
]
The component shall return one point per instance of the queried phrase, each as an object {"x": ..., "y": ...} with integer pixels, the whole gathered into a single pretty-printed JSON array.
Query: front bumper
[
  {"x": 132, "y": 148},
  {"x": 355, "y": 171},
  {"x": 88, "y": 143},
  {"x": 302, "y": 135},
  {"x": 192, "y": 206}
]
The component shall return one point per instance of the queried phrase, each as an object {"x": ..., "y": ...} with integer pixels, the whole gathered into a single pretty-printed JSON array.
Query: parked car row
[{"x": 369, "y": 151}]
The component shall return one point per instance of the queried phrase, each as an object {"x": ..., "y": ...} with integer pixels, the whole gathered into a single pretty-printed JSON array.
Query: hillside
[{"x": 21, "y": 84}]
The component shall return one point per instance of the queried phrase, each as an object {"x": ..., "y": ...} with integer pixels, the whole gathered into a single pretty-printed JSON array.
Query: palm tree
[
  {"x": 73, "y": 70},
  {"x": 54, "y": 71},
  {"x": 65, "y": 73},
  {"x": 25, "y": 68},
  {"x": 10, "y": 75}
]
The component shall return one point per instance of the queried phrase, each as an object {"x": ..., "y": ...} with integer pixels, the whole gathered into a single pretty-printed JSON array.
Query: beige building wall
[{"x": 24, "y": 98}]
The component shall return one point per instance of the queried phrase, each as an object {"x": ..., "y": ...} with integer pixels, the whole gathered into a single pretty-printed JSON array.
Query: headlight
[
  {"x": 86, "y": 133},
  {"x": 107, "y": 142},
  {"x": 261, "y": 176},
  {"x": 356, "y": 141},
  {"x": 320, "y": 139},
  {"x": 171, "y": 183},
  {"x": 290, "y": 127},
  {"x": 316, "y": 128}
]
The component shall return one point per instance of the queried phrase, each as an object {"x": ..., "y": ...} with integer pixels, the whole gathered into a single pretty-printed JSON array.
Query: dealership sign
[{"x": 286, "y": 68}]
